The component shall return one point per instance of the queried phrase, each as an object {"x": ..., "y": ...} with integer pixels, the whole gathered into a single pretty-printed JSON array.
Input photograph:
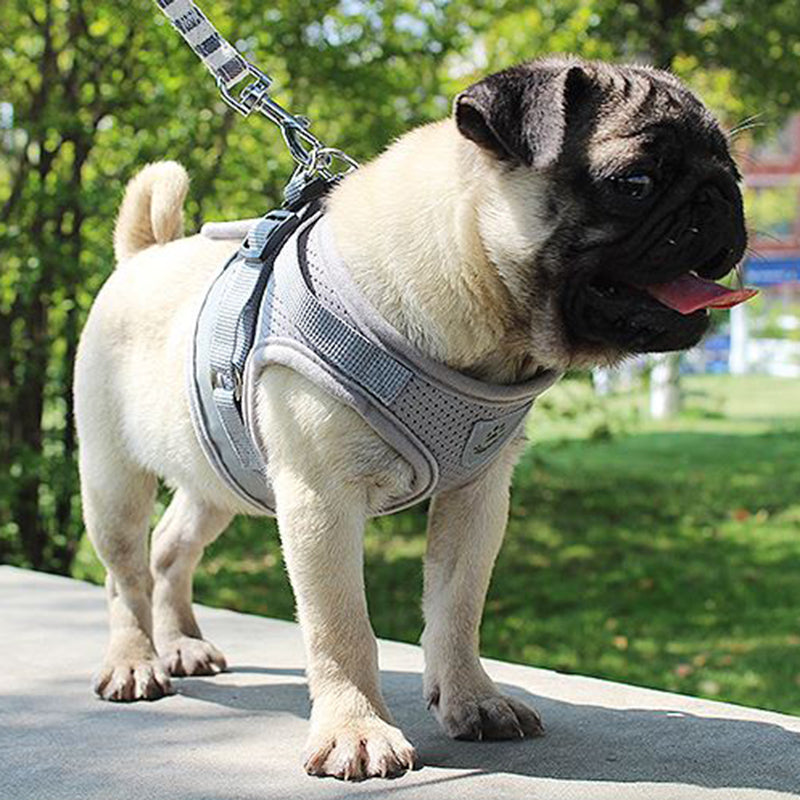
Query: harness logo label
[{"x": 488, "y": 436}]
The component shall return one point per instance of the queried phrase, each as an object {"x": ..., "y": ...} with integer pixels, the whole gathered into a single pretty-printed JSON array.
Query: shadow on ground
[{"x": 583, "y": 742}]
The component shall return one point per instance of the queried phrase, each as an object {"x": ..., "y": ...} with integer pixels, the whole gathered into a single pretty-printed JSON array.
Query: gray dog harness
[{"x": 286, "y": 297}]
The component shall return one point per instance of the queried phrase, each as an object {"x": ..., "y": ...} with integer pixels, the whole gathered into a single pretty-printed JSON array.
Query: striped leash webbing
[{"x": 219, "y": 56}]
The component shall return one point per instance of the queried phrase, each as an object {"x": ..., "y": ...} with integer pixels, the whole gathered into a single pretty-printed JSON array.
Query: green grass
[{"x": 660, "y": 554}]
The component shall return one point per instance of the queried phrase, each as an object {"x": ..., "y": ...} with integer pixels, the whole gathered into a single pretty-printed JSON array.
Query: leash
[{"x": 315, "y": 160}]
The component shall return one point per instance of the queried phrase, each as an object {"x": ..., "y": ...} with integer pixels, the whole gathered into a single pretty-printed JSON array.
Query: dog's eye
[{"x": 638, "y": 186}]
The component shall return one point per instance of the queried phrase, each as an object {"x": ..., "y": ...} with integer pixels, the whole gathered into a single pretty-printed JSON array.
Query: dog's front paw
[
  {"x": 359, "y": 749},
  {"x": 482, "y": 714},
  {"x": 127, "y": 681},
  {"x": 187, "y": 656}
]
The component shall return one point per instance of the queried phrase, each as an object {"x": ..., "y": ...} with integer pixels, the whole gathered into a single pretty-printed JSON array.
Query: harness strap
[
  {"x": 337, "y": 343},
  {"x": 223, "y": 340},
  {"x": 232, "y": 336},
  {"x": 227, "y": 364}
]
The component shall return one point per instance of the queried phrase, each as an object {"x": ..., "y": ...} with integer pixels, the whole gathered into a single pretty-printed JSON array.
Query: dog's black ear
[{"x": 520, "y": 114}]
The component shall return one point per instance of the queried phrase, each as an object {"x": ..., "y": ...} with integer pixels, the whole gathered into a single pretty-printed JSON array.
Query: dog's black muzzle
[{"x": 702, "y": 232}]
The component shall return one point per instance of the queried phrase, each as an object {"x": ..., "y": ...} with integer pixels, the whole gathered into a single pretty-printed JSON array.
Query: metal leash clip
[{"x": 312, "y": 156}]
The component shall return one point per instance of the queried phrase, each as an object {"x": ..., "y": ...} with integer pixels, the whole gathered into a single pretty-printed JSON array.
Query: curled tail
[{"x": 152, "y": 208}]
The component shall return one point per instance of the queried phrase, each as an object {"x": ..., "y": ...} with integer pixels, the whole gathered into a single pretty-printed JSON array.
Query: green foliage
[
  {"x": 742, "y": 56},
  {"x": 97, "y": 92}
]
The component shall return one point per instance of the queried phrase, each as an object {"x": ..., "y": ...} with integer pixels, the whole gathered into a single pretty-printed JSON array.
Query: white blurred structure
[
  {"x": 737, "y": 357},
  {"x": 665, "y": 387}
]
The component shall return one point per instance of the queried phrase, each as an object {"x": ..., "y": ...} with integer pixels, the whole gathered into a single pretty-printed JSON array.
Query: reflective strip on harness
[
  {"x": 337, "y": 343},
  {"x": 227, "y": 369}
]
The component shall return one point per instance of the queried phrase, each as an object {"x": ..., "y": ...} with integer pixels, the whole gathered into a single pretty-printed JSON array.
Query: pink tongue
[{"x": 690, "y": 293}]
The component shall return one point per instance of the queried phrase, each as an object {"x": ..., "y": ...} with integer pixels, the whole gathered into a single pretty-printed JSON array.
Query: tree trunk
[
  {"x": 66, "y": 489},
  {"x": 27, "y": 432}
]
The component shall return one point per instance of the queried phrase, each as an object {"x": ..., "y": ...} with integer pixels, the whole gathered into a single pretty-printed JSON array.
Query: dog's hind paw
[
  {"x": 187, "y": 656},
  {"x": 129, "y": 681},
  {"x": 491, "y": 716},
  {"x": 361, "y": 749}
]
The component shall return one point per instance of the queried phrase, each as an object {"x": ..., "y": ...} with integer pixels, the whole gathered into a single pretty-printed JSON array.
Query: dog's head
[{"x": 599, "y": 182}]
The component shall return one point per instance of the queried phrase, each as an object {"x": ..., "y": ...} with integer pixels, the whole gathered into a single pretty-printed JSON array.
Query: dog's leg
[
  {"x": 186, "y": 529},
  {"x": 117, "y": 503},
  {"x": 466, "y": 527},
  {"x": 352, "y": 735}
]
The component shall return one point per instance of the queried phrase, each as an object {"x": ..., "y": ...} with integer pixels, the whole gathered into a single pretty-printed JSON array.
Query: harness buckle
[
  {"x": 237, "y": 383},
  {"x": 232, "y": 382}
]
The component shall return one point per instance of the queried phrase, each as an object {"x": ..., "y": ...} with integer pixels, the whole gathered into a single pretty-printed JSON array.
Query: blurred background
[{"x": 655, "y": 526}]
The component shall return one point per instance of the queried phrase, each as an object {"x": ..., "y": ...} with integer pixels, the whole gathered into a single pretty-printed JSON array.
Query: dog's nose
[
  {"x": 720, "y": 205},
  {"x": 717, "y": 214}
]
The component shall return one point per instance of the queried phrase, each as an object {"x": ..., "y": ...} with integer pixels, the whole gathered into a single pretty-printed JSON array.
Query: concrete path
[{"x": 240, "y": 735}]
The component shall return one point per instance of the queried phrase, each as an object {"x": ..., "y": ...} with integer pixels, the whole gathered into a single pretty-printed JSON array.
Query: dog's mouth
[
  {"x": 685, "y": 294},
  {"x": 666, "y": 313}
]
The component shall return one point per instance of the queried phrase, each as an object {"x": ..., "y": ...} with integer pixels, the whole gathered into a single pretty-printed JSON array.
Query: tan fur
[
  {"x": 152, "y": 209},
  {"x": 436, "y": 237},
  {"x": 444, "y": 252}
]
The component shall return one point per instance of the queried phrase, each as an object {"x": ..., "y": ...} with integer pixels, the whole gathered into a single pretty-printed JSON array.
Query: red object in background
[{"x": 775, "y": 164}]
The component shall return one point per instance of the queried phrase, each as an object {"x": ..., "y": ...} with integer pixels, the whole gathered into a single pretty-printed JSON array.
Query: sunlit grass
[{"x": 662, "y": 554}]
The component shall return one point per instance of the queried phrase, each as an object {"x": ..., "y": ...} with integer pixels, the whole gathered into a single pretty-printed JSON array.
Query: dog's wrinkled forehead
[
  {"x": 645, "y": 111},
  {"x": 563, "y": 109}
]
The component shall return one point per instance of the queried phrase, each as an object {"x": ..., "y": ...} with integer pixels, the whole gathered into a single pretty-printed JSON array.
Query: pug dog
[{"x": 563, "y": 217}]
